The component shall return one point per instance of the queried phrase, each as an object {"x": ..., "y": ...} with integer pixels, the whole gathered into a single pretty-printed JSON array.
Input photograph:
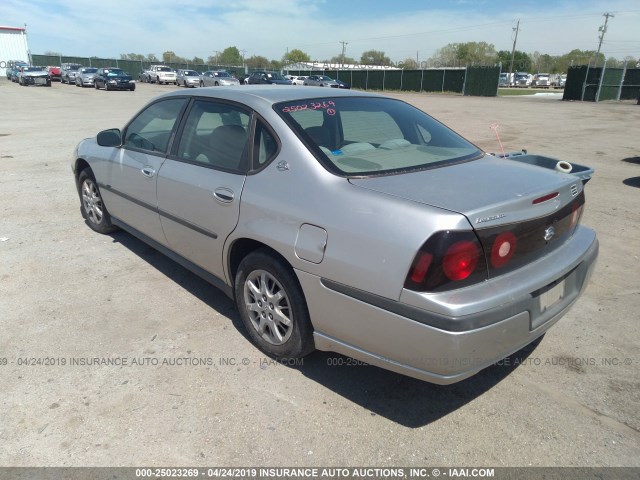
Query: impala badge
[{"x": 549, "y": 233}]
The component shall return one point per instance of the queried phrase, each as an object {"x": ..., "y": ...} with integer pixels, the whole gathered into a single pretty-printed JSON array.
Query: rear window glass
[{"x": 360, "y": 136}]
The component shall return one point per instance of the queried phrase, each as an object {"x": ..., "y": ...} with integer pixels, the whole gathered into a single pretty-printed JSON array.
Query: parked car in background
[
  {"x": 13, "y": 68},
  {"x": 162, "y": 74},
  {"x": 54, "y": 73},
  {"x": 188, "y": 78},
  {"x": 320, "y": 81},
  {"x": 263, "y": 77},
  {"x": 85, "y": 76},
  {"x": 541, "y": 80},
  {"x": 522, "y": 79},
  {"x": 34, "y": 76},
  {"x": 428, "y": 257},
  {"x": 217, "y": 78},
  {"x": 12, "y": 65},
  {"x": 298, "y": 80},
  {"x": 342, "y": 84},
  {"x": 113, "y": 79},
  {"x": 68, "y": 72}
]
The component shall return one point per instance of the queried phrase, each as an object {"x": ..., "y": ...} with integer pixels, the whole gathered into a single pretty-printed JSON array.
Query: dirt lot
[{"x": 67, "y": 293}]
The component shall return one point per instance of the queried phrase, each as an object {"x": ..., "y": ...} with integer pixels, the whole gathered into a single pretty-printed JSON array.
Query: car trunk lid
[{"x": 519, "y": 211}]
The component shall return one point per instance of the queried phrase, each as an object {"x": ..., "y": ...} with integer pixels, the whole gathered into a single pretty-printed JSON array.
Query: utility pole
[
  {"x": 602, "y": 30},
  {"x": 513, "y": 50},
  {"x": 344, "y": 46}
]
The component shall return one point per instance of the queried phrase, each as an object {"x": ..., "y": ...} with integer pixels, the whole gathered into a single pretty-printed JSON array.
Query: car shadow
[
  {"x": 198, "y": 287},
  {"x": 404, "y": 400},
  {"x": 632, "y": 160},
  {"x": 632, "y": 182}
]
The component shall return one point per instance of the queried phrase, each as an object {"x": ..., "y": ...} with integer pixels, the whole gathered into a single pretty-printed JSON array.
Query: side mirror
[{"x": 110, "y": 138}]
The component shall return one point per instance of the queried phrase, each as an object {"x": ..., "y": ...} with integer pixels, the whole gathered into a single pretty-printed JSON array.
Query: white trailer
[{"x": 13, "y": 46}]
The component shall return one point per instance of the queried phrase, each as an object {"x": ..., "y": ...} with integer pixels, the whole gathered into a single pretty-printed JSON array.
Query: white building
[{"x": 13, "y": 46}]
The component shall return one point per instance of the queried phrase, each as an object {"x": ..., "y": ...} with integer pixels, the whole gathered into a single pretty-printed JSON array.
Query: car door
[
  {"x": 130, "y": 180},
  {"x": 200, "y": 184}
]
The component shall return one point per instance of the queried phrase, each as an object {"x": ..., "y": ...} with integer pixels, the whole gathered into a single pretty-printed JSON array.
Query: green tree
[
  {"x": 133, "y": 56},
  {"x": 230, "y": 56},
  {"x": 409, "y": 64},
  {"x": 295, "y": 56},
  {"x": 374, "y": 57},
  {"x": 521, "y": 61},
  {"x": 197, "y": 61},
  {"x": 171, "y": 57},
  {"x": 462, "y": 54},
  {"x": 257, "y": 62},
  {"x": 346, "y": 60}
]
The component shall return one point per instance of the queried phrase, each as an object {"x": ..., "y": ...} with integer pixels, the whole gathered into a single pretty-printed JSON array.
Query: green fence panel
[
  {"x": 482, "y": 81},
  {"x": 573, "y": 85},
  {"x": 359, "y": 79},
  {"x": 411, "y": 80},
  {"x": 631, "y": 86},
  {"x": 453, "y": 80},
  {"x": 611, "y": 84},
  {"x": 432, "y": 80}
]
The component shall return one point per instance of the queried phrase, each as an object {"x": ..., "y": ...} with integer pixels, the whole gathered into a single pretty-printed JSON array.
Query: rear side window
[{"x": 215, "y": 135}]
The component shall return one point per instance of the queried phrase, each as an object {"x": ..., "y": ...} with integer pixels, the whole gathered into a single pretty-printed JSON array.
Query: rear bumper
[{"x": 450, "y": 341}]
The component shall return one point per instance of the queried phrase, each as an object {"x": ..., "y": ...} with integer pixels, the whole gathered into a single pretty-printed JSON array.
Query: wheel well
[
  {"x": 81, "y": 164},
  {"x": 243, "y": 247}
]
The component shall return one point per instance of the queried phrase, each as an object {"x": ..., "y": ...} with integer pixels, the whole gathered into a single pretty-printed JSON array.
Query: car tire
[
  {"x": 272, "y": 306},
  {"x": 132, "y": 88},
  {"x": 92, "y": 207}
]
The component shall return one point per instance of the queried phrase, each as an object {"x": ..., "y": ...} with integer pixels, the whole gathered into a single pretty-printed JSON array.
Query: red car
[{"x": 54, "y": 73}]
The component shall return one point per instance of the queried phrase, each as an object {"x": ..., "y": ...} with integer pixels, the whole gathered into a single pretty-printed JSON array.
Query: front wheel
[
  {"x": 93, "y": 209},
  {"x": 272, "y": 306}
]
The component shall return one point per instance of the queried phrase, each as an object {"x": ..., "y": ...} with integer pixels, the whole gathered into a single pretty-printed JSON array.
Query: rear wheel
[
  {"x": 272, "y": 306},
  {"x": 93, "y": 208}
]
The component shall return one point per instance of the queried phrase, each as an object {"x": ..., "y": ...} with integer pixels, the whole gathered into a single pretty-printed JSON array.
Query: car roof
[{"x": 260, "y": 94}]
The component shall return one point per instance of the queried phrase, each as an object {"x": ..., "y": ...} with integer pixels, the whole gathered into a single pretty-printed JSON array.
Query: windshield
[
  {"x": 89, "y": 70},
  {"x": 31, "y": 69},
  {"x": 359, "y": 136},
  {"x": 275, "y": 76},
  {"x": 221, "y": 74},
  {"x": 190, "y": 73},
  {"x": 115, "y": 73}
]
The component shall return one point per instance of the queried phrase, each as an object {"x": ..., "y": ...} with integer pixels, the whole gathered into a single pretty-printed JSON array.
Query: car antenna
[{"x": 494, "y": 127}]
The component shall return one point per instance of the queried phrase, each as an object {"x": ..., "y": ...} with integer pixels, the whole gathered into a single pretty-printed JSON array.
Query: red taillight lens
[
  {"x": 447, "y": 260},
  {"x": 460, "y": 260},
  {"x": 420, "y": 267},
  {"x": 503, "y": 250}
]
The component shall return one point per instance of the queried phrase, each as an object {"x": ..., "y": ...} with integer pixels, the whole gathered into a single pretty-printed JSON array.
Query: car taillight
[
  {"x": 446, "y": 261},
  {"x": 503, "y": 250},
  {"x": 461, "y": 260}
]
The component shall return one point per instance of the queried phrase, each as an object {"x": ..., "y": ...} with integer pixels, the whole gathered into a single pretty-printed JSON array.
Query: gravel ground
[{"x": 67, "y": 293}]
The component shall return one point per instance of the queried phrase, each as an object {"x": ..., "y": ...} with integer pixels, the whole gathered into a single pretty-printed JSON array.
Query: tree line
[{"x": 451, "y": 55}]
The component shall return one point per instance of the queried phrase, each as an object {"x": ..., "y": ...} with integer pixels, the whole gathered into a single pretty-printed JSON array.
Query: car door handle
[
  {"x": 148, "y": 171},
  {"x": 223, "y": 194}
]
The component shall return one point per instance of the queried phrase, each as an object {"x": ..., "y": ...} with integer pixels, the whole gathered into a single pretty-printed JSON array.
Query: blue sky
[{"x": 402, "y": 28}]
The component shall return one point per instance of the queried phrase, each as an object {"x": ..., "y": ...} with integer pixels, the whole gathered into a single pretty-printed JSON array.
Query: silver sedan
[
  {"x": 217, "y": 78},
  {"x": 84, "y": 76},
  {"x": 348, "y": 222}
]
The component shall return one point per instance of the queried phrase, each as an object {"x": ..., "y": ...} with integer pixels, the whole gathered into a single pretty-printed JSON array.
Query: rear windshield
[{"x": 361, "y": 136}]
